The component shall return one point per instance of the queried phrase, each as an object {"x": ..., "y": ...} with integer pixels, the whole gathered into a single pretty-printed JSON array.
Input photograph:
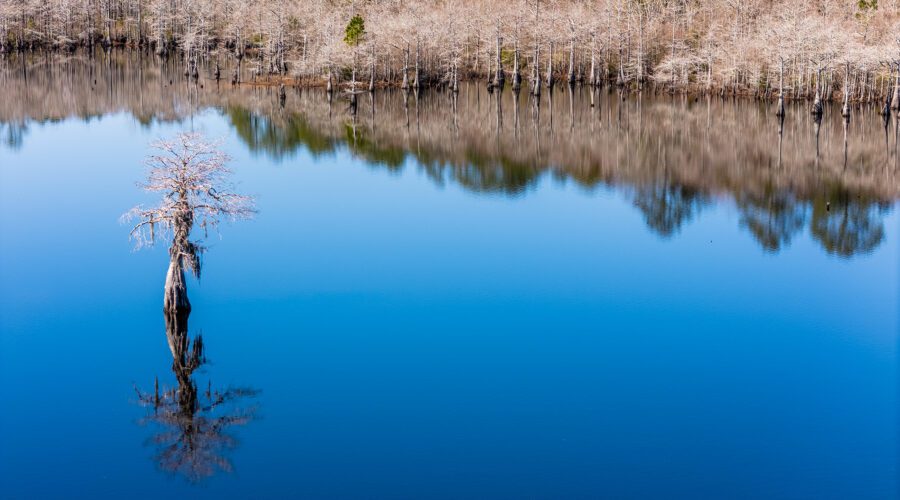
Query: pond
[{"x": 589, "y": 294}]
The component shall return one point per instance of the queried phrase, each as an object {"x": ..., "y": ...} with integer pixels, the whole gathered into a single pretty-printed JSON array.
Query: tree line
[{"x": 803, "y": 49}]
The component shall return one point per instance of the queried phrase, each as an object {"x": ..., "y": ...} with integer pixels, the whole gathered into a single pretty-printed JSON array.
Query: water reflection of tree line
[
  {"x": 774, "y": 205},
  {"x": 673, "y": 154}
]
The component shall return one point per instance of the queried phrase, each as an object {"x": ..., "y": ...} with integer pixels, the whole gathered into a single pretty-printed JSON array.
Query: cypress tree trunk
[
  {"x": 817, "y": 101},
  {"x": 417, "y": 83},
  {"x": 780, "y": 110},
  {"x": 845, "y": 109},
  {"x": 175, "y": 294},
  {"x": 372, "y": 71},
  {"x": 500, "y": 78},
  {"x": 895, "y": 104},
  {"x": 550, "y": 67},
  {"x": 405, "y": 84},
  {"x": 517, "y": 78}
]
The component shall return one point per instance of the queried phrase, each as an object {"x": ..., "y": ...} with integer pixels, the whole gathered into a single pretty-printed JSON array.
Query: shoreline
[{"x": 883, "y": 100}]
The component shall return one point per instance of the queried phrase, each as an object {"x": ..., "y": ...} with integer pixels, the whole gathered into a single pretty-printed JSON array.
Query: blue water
[{"x": 416, "y": 340}]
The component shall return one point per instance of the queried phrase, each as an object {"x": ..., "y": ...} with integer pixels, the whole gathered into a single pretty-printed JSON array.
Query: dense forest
[{"x": 805, "y": 49}]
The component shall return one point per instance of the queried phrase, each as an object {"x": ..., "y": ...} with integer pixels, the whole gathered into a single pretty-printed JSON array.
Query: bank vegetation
[{"x": 805, "y": 49}]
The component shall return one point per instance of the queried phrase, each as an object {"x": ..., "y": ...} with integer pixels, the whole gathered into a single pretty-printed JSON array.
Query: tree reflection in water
[
  {"x": 193, "y": 436},
  {"x": 773, "y": 218},
  {"x": 847, "y": 225},
  {"x": 667, "y": 207},
  {"x": 675, "y": 154}
]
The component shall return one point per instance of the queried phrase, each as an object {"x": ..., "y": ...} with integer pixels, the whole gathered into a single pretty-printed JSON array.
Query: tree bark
[
  {"x": 572, "y": 61},
  {"x": 405, "y": 84},
  {"x": 175, "y": 298},
  {"x": 550, "y": 67},
  {"x": 845, "y": 109},
  {"x": 780, "y": 110},
  {"x": 417, "y": 83},
  {"x": 517, "y": 78},
  {"x": 500, "y": 78},
  {"x": 372, "y": 71},
  {"x": 895, "y": 104}
]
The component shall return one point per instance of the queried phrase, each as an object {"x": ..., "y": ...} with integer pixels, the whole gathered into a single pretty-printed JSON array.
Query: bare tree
[
  {"x": 735, "y": 46},
  {"x": 191, "y": 174}
]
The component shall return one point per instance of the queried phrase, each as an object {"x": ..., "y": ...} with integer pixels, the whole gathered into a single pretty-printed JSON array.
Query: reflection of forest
[{"x": 672, "y": 155}]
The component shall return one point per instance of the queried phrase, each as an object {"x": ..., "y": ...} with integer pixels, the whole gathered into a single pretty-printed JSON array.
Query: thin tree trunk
[
  {"x": 845, "y": 109},
  {"x": 517, "y": 78},
  {"x": 372, "y": 71},
  {"x": 895, "y": 105},
  {"x": 550, "y": 67},
  {"x": 417, "y": 83},
  {"x": 780, "y": 110},
  {"x": 405, "y": 84},
  {"x": 500, "y": 78}
]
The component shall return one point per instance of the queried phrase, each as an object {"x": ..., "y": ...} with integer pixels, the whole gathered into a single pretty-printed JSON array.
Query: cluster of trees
[{"x": 759, "y": 47}]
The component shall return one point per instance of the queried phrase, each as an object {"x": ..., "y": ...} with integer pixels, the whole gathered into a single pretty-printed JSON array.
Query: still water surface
[{"x": 482, "y": 298}]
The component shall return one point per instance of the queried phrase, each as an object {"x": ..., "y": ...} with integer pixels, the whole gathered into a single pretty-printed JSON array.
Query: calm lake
[{"x": 593, "y": 296}]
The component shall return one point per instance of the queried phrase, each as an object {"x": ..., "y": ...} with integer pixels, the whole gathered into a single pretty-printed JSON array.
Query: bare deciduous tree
[{"x": 191, "y": 174}]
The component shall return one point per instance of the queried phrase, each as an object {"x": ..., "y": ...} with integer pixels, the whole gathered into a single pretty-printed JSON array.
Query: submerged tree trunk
[
  {"x": 817, "y": 101},
  {"x": 182, "y": 253},
  {"x": 175, "y": 297}
]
